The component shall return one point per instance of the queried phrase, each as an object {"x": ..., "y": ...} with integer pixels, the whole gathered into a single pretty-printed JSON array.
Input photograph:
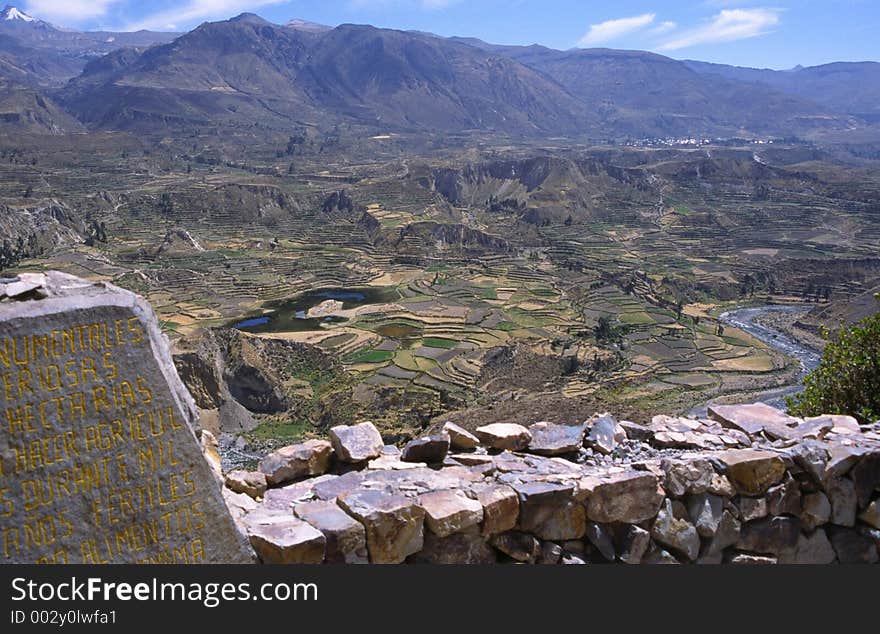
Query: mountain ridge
[
  {"x": 850, "y": 87},
  {"x": 352, "y": 72},
  {"x": 63, "y": 52},
  {"x": 248, "y": 71}
]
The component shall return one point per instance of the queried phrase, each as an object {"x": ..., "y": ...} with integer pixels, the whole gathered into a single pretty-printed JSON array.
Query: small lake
[{"x": 289, "y": 315}]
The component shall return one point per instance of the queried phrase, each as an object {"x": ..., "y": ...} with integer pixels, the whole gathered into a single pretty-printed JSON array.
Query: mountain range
[
  {"x": 48, "y": 55},
  {"x": 249, "y": 72}
]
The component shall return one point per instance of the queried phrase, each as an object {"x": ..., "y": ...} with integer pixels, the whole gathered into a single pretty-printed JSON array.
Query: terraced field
[{"x": 494, "y": 281}]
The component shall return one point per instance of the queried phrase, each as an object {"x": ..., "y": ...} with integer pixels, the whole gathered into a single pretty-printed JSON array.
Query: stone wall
[{"x": 748, "y": 485}]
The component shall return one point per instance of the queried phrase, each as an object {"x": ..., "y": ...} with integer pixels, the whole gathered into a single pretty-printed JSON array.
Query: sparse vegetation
[
  {"x": 848, "y": 379},
  {"x": 609, "y": 330}
]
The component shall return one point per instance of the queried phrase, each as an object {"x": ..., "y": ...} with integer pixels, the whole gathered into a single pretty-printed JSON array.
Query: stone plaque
[{"x": 98, "y": 459}]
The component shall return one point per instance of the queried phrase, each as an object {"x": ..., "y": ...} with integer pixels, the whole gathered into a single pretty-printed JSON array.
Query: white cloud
[
  {"x": 68, "y": 11},
  {"x": 613, "y": 29},
  {"x": 664, "y": 27},
  {"x": 439, "y": 4},
  {"x": 727, "y": 4},
  {"x": 199, "y": 10},
  {"x": 429, "y": 5},
  {"x": 727, "y": 26}
]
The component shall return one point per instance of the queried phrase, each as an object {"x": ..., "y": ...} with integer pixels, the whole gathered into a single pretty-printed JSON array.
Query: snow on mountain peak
[{"x": 13, "y": 13}]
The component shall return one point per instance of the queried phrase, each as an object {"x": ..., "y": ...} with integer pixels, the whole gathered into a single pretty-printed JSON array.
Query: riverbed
[{"x": 745, "y": 319}]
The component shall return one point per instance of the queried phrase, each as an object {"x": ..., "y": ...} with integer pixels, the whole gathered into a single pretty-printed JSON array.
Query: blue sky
[{"x": 772, "y": 34}]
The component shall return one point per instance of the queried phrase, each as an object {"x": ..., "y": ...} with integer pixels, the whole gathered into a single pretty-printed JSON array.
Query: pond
[{"x": 289, "y": 315}]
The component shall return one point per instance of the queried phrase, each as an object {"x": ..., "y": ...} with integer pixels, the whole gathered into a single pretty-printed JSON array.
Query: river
[{"x": 744, "y": 319}]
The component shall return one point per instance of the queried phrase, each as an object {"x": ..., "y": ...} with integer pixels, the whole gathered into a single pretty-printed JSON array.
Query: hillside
[
  {"x": 853, "y": 88},
  {"x": 645, "y": 94},
  {"x": 24, "y": 109},
  {"x": 44, "y": 54},
  {"x": 246, "y": 69},
  {"x": 246, "y": 72}
]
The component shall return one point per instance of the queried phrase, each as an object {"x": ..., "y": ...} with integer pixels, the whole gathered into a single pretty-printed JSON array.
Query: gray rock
[
  {"x": 569, "y": 559},
  {"x": 356, "y": 443},
  {"x": 460, "y": 439},
  {"x": 784, "y": 498},
  {"x": 500, "y": 507},
  {"x": 239, "y": 505},
  {"x": 726, "y": 535},
  {"x": 430, "y": 450},
  {"x": 252, "y": 483},
  {"x": 866, "y": 477},
  {"x": 751, "y": 471},
  {"x": 852, "y": 547},
  {"x": 549, "y": 511},
  {"x": 95, "y": 390},
  {"x": 842, "y": 494},
  {"x": 519, "y": 546},
  {"x": 284, "y": 498},
  {"x": 280, "y": 538},
  {"x": 450, "y": 511},
  {"x": 660, "y": 556},
  {"x": 466, "y": 547},
  {"x": 812, "y": 457},
  {"x": 721, "y": 486},
  {"x": 816, "y": 427},
  {"x": 634, "y": 545},
  {"x": 815, "y": 510},
  {"x": 629, "y": 497},
  {"x": 346, "y": 541},
  {"x": 705, "y": 510},
  {"x": 756, "y": 418},
  {"x": 502, "y": 436},
  {"x": 673, "y": 529},
  {"x": 394, "y": 524},
  {"x": 234, "y": 418},
  {"x": 294, "y": 462},
  {"x": 392, "y": 462},
  {"x": 835, "y": 423},
  {"x": 841, "y": 460},
  {"x": 871, "y": 533},
  {"x": 752, "y": 508},
  {"x": 687, "y": 476},
  {"x": 871, "y": 515},
  {"x": 813, "y": 548},
  {"x": 16, "y": 290},
  {"x": 549, "y": 439},
  {"x": 471, "y": 459},
  {"x": 635, "y": 431},
  {"x": 603, "y": 433},
  {"x": 771, "y": 535},
  {"x": 600, "y": 537},
  {"x": 550, "y": 553}
]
